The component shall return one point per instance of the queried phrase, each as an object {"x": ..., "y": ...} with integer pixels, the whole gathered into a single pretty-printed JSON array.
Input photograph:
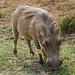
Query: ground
[{"x": 24, "y": 63}]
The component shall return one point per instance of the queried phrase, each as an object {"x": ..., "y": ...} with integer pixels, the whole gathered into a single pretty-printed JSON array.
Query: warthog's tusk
[{"x": 39, "y": 51}]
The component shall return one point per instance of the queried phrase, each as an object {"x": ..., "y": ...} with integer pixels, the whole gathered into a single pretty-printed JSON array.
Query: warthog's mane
[{"x": 47, "y": 18}]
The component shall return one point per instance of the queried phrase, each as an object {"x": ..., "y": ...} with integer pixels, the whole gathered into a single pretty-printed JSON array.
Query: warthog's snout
[{"x": 54, "y": 64}]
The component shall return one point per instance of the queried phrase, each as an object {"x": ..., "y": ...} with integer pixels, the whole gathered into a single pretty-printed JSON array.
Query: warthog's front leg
[
  {"x": 31, "y": 51},
  {"x": 15, "y": 39},
  {"x": 38, "y": 47}
]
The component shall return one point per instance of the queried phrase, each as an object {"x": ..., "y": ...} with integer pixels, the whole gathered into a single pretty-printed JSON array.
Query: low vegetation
[
  {"x": 5, "y": 15},
  {"x": 1, "y": 14},
  {"x": 65, "y": 6},
  {"x": 67, "y": 24},
  {"x": 26, "y": 64}
]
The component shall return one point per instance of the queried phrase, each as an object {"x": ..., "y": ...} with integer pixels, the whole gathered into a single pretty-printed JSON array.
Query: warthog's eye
[{"x": 46, "y": 43}]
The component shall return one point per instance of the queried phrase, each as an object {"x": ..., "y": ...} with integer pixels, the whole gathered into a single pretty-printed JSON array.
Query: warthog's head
[{"x": 51, "y": 45}]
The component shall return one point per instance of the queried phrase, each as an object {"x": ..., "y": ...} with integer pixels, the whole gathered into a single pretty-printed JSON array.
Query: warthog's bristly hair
[{"x": 38, "y": 25}]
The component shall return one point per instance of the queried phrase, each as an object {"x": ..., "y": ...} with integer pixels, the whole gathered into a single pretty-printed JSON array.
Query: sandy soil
[{"x": 57, "y": 8}]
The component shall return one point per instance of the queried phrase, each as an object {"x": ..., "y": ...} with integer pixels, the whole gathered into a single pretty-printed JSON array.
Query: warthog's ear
[
  {"x": 57, "y": 31},
  {"x": 52, "y": 27}
]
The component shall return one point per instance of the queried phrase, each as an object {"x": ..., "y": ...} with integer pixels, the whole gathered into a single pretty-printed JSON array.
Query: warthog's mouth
[
  {"x": 54, "y": 65},
  {"x": 54, "y": 69}
]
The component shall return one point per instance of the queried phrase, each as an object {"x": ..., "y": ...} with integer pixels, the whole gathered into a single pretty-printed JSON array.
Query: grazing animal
[{"x": 37, "y": 25}]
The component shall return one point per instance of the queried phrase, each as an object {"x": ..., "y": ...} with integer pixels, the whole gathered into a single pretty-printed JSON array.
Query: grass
[
  {"x": 48, "y": 0},
  {"x": 65, "y": 6},
  {"x": 1, "y": 14},
  {"x": 26, "y": 64},
  {"x": 5, "y": 16}
]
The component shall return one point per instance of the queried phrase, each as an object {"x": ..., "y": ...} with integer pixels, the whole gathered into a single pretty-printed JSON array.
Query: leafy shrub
[{"x": 67, "y": 25}]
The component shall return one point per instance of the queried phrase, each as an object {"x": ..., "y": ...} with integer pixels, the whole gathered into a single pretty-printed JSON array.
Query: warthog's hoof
[
  {"x": 41, "y": 62},
  {"x": 15, "y": 52},
  {"x": 32, "y": 53}
]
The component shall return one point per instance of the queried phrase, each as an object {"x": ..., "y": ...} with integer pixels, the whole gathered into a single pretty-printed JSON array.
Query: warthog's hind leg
[{"x": 31, "y": 51}]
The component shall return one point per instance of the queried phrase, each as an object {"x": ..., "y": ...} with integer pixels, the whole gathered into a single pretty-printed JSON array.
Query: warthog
[{"x": 37, "y": 25}]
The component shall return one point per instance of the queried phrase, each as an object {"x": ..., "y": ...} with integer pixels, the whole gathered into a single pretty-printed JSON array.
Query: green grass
[
  {"x": 5, "y": 16},
  {"x": 1, "y": 14},
  {"x": 9, "y": 62},
  {"x": 26, "y": 64}
]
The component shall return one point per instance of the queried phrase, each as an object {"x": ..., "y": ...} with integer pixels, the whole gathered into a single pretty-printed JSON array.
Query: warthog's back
[{"x": 24, "y": 17}]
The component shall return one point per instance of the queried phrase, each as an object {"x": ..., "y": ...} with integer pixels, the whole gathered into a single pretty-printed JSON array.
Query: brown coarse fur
[{"x": 37, "y": 25}]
